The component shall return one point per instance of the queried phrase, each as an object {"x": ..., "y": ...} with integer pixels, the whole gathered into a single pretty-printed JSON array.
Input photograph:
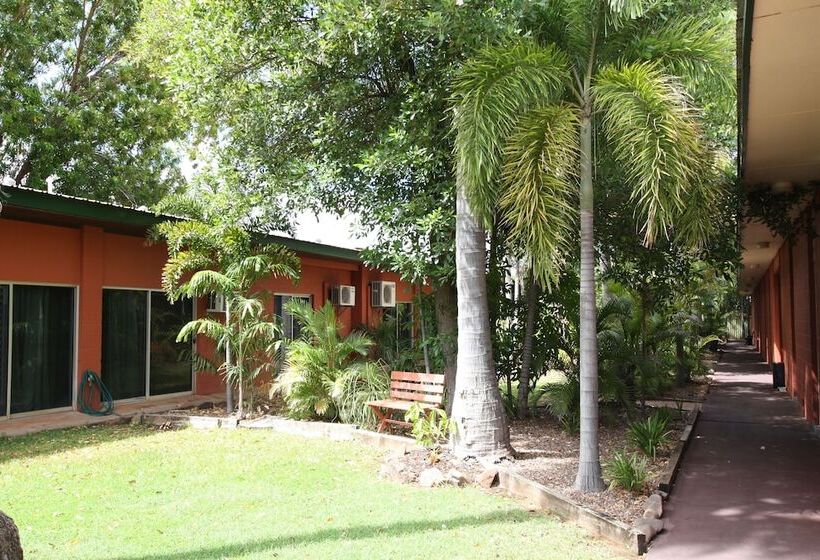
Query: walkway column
[{"x": 89, "y": 334}]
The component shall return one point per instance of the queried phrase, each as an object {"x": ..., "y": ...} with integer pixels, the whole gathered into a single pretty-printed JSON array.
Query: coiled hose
[{"x": 90, "y": 386}]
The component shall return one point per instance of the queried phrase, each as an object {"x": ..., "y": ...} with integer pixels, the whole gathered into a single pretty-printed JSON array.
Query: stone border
[
  {"x": 667, "y": 480},
  {"x": 183, "y": 420},
  {"x": 597, "y": 523},
  {"x": 311, "y": 429}
]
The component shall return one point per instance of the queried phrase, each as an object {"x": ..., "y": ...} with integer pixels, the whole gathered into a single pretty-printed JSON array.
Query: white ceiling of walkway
[{"x": 782, "y": 135}]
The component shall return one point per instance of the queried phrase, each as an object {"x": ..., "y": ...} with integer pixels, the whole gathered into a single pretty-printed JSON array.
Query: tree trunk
[
  {"x": 481, "y": 425},
  {"x": 424, "y": 338},
  {"x": 683, "y": 374},
  {"x": 446, "y": 317},
  {"x": 228, "y": 386},
  {"x": 526, "y": 349},
  {"x": 589, "y": 477}
]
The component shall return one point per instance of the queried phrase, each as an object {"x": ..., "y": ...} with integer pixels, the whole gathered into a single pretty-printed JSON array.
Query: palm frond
[
  {"x": 205, "y": 282},
  {"x": 539, "y": 176},
  {"x": 655, "y": 136},
  {"x": 491, "y": 92},
  {"x": 619, "y": 12},
  {"x": 692, "y": 48}
]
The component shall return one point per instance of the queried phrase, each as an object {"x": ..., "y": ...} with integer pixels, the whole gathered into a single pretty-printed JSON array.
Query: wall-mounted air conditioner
[
  {"x": 383, "y": 294},
  {"x": 216, "y": 303},
  {"x": 343, "y": 296}
]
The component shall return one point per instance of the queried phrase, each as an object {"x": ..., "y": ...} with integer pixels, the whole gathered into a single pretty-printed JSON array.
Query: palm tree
[
  {"x": 249, "y": 336},
  {"x": 207, "y": 258},
  {"x": 534, "y": 119}
]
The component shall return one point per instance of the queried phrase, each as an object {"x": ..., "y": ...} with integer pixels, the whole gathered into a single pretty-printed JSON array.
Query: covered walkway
[{"x": 749, "y": 487}]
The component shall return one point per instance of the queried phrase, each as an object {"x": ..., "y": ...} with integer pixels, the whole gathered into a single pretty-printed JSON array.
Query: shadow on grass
[
  {"x": 56, "y": 441},
  {"x": 338, "y": 534}
]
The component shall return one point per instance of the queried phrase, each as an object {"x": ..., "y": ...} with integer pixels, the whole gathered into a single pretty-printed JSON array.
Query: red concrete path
[{"x": 749, "y": 486}]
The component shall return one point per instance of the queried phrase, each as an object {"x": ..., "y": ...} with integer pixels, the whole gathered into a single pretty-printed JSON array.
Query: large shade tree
[
  {"x": 78, "y": 114},
  {"x": 598, "y": 87}
]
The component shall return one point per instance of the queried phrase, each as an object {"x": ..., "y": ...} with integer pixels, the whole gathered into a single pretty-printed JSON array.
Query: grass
[{"x": 132, "y": 493}]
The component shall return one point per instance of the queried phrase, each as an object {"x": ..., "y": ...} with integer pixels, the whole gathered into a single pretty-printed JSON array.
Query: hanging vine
[{"x": 782, "y": 213}]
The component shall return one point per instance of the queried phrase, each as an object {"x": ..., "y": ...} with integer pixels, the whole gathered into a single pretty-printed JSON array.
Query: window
[
  {"x": 291, "y": 327},
  {"x": 4, "y": 349},
  {"x": 171, "y": 369},
  {"x": 42, "y": 347},
  {"x": 141, "y": 356},
  {"x": 402, "y": 316},
  {"x": 124, "y": 342}
]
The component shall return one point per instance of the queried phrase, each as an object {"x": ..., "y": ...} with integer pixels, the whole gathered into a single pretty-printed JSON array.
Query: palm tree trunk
[
  {"x": 228, "y": 387},
  {"x": 446, "y": 302},
  {"x": 589, "y": 477},
  {"x": 526, "y": 349},
  {"x": 683, "y": 375},
  {"x": 481, "y": 425}
]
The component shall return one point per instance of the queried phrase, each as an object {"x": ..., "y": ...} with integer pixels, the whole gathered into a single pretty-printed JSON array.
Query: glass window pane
[
  {"x": 291, "y": 327},
  {"x": 404, "y": 326},
  {"x": 4, "y": 346},
  {"x": 42, "y": 347},
  {"x": 171, "y": 366},
  {"x": 124, "y": 342}
]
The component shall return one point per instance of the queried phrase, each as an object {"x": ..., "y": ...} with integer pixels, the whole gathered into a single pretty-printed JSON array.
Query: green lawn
[{"x": 117, "y": 493}]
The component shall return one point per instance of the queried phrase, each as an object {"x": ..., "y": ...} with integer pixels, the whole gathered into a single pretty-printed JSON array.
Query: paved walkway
[
  {"x": 18, "y": 426},
  {"x": 749, "y": 486}
]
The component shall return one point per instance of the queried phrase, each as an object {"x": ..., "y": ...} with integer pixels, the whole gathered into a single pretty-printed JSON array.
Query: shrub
[
  {"x": 627, "y": 471},
  {"x": 324, "y": 375},
  {"x": 431, "y": 427},
  {"x": 355, "y": 387},
  {"x": 651, "y": 434}
]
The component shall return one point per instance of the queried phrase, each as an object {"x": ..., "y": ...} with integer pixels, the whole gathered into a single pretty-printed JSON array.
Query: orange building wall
[
  {"x": 785, "y": 308},
  {"x": 91, "y": 259}
]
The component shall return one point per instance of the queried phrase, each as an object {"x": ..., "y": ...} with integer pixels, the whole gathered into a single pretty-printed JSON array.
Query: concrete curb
[
  {"x": 598, "y": 524},
  {"x": 667, "y": 480}
]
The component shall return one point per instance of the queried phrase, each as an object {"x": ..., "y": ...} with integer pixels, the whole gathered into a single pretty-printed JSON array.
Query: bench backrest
[{"x": 421, "y": 387}]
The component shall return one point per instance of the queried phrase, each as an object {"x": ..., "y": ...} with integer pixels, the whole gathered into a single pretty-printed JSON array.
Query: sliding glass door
[
  {"x": 141, "y": 356},
  {"x": 42, "y": 347},
  {"x": 4, "y": 348},
  {"x": 124, "y": 342},
  {"x": 171, "y": 365}
]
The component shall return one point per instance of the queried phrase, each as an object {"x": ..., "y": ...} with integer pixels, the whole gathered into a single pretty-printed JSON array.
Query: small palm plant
[
  {"x": 325, "y": 375},
  {"x": 208, "y": 257},
  {"x": 650, "y": 435}
]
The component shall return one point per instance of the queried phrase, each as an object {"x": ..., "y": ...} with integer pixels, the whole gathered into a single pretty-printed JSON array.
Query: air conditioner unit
[
  {"x": 343, "y": 296},
  {"x": 216, "y": 303},
  {"x": 383, "y": 294}
]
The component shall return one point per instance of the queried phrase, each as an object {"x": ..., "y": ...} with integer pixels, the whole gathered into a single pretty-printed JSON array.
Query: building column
[{"x": 89, "y": 334}]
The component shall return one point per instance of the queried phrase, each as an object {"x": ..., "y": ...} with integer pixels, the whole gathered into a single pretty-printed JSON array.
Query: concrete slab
[
  {"x": 749, "y": 486},
  {"x": 18, "y": 426}
]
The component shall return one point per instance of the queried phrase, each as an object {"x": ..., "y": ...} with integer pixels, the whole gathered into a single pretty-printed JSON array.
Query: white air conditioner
[
  {"x": 343, "y": 296},
  {"x": 383, "y": 294},
  {"x": 216, "y": 303}
]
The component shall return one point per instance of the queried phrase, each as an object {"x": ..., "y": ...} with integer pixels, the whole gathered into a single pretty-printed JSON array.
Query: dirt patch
[
  {"x": 548, "y": 454},
  {"x": 695, "y": 390},
  {"x": 261, "y": 407}
]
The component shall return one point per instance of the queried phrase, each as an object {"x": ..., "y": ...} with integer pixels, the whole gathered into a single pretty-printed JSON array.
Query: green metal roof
[{"x": 83, "y": 208}]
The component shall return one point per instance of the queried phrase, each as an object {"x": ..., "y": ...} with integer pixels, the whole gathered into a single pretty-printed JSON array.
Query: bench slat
[
  {"x": 420, "y": 387},
  {"x": 421, "y": 397},
  {"x": 436, "y": 378}
]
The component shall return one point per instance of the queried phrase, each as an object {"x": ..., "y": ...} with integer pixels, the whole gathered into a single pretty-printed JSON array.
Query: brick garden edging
[
  {"x": 597, "y": 523},
  {"x": 675, "y": 458}
]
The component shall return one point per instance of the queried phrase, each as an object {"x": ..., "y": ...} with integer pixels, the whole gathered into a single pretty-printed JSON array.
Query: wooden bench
[{"x": 406, "y": 389}]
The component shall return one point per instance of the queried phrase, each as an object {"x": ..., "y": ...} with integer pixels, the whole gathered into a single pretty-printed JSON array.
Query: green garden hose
[{"x": 90, "y": 385}]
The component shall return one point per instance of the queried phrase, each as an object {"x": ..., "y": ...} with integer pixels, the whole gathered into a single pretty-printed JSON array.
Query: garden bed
[{"x": 548, "y": 455}]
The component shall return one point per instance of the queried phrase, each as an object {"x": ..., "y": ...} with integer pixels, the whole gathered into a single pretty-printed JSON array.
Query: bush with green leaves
[
  {"x": 325, "y": 375},
  {"x": 430, "y": 426},
  {"x": 651, "y": 434},
  {"x": 626, "y": 470}
]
